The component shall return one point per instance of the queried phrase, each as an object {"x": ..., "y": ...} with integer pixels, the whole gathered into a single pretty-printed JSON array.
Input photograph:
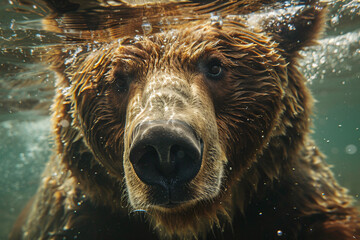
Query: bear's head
[{"x": 180, "y": 121}]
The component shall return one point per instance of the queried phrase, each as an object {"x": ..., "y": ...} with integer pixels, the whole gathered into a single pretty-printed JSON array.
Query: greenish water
[
  {"x": 337, "y": 133},
  {"x": 24, "y": 149},
  {"x": 333, "y": 69}
]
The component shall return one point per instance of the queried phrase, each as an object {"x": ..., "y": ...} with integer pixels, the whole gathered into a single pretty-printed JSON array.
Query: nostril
[
  {"x": 187, "y": 162},
  {"x": 145, "y": 162}
]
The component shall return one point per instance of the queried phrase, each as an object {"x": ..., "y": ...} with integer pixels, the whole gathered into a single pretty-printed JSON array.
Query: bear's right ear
[{"x": 293, "y": 32}]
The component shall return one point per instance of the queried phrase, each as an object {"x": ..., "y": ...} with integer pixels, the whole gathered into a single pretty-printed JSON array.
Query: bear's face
[
  {"x": 182, "y": 118},
  {"x": 180, "y": 114}
]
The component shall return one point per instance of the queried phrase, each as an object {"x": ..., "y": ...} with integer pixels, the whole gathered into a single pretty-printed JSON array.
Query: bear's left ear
[{"x": 294, "y": 31}]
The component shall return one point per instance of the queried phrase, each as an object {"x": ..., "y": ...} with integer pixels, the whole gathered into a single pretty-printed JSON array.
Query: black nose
[{"x": 165, "y": 152}]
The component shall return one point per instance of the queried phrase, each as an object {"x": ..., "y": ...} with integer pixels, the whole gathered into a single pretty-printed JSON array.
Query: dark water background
[{"x": 333, "y": 70}]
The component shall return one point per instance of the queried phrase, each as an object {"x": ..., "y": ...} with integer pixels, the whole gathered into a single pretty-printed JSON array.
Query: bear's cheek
[
  {"x": 247, "y": 111},
  {"x": 176, "y": 120},
  {"x": 251, "y": 124},
  {"x": 101, "y": 116}
]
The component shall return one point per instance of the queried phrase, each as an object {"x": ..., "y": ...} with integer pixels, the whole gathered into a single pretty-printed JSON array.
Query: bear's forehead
[
  {"x": 181, "y": 36},
  {"x": 192, "y": 40}
]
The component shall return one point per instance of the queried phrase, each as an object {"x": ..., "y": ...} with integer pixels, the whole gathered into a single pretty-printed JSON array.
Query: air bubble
[
  {"x": 351, "y": 149},
  {"x": 334, "y": 150},
  {"x": 139, "y": 210},
  {"x": 216, "y": 20},
  {"x": 39, "y": 36},
  {"x": 322, "y": 60},
  {"x": 146, "y": 27},
  {"x": 335, "y": 20},
  {"x": 291, "y": 27},
  {"x": 64, "y": 123}
]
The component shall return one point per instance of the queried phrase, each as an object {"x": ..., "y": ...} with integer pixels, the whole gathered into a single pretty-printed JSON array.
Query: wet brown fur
[{"x": 255, "y": 123}]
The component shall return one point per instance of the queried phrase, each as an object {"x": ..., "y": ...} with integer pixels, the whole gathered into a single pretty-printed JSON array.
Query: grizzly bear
[{"x": 184, "y": 120}]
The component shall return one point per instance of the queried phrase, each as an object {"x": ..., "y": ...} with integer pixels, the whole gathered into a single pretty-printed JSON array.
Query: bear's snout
[{"x": 166, "y": 155}]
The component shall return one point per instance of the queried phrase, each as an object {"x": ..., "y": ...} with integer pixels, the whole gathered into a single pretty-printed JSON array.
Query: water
[
  {"x": 334, "y": 77},
  {"x": 26, "y": 89}
]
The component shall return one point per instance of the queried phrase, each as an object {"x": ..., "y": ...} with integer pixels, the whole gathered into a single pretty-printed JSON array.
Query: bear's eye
[
  {"x": 213, "y": 69},
  {"x": 121, "y": 81}
]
